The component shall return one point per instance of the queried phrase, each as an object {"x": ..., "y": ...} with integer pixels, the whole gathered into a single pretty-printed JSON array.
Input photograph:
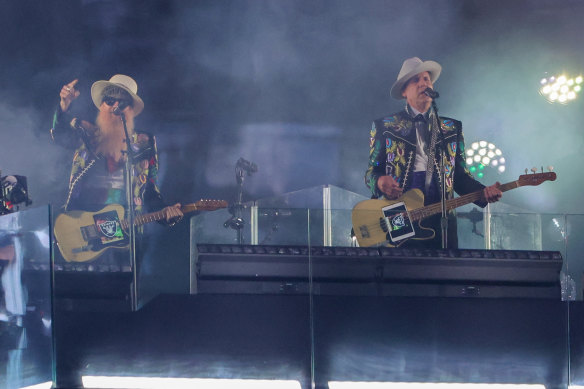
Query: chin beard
[{"x": 111, "y": 139}]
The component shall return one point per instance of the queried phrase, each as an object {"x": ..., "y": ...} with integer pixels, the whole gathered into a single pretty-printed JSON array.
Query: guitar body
[
  {"x": 367, "y": 218},
  {"x": 372, "y": 219},
  {"x": 83, "y": 236},
  {"x": 77, "y": 246}
]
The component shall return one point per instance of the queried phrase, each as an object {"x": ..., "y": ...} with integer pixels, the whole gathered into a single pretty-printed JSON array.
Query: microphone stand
[
  {"x": 130, "y": 209},
  {"x": 442, "y": 155},
  {"x": 235, "y": 221},
  {"x": 238, "y": 221}
]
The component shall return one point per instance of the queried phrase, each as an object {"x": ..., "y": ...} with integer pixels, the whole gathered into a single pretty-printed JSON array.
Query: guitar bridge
[
  {"x": 364, "y": 232},
  {"x": 384, "y": 223}
]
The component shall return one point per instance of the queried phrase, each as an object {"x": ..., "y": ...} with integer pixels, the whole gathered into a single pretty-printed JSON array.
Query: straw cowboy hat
[
  {"x": 410, "y": 68},
  {"x": 126, "y": 83}
]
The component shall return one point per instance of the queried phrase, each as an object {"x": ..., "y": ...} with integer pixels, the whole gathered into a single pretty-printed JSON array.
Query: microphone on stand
[
  {"x": 431, "y": 93},
  {"x": 247, "y": 166},
  {"x": 118, "y": 111}
]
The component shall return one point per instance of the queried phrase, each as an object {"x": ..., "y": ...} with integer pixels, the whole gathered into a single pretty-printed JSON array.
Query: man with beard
[
  {"x": 97, "y": 175},
  {"x": 405, "y": 151}
]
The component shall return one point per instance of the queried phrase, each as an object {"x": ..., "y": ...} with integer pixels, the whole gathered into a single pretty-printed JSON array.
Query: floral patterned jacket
[
  {"x": 145, "y": 189},
  {"x": 393, "y": 151}
]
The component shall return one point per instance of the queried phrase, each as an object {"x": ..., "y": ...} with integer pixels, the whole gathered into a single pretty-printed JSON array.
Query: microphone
[
  {"x": 249, "y": 167},
  {"x": 431, "y": 93},
  {"x": 117, "y": 111}
]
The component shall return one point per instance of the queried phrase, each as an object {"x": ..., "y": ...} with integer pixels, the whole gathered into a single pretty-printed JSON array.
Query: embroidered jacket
[
  {"x": 393, "y": 152},
  {"x": 145, "y": 189}
]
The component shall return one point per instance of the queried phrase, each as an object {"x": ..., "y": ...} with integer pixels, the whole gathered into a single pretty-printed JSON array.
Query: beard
[{"x": 111, "y": 141}]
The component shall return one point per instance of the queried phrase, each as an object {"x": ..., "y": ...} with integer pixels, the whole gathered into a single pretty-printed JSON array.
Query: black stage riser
[{"x": 377, "y": 271}]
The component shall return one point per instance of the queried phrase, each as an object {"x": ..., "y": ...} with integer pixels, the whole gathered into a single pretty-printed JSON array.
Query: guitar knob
[
  {"x": 550, "y": 168},
  {"x": 534, "y": 169},
  {"x": 526, "y": 170}
]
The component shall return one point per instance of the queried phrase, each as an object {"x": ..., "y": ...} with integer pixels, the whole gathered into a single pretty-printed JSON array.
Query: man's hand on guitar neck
[
  {"x": 492, "y": 193},
  {"x": 389, "y": 187},
  {"x": 173, "y": 214}
]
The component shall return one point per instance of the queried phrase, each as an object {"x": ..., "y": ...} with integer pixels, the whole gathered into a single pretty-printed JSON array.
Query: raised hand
[{"x": 68, "y": 94}]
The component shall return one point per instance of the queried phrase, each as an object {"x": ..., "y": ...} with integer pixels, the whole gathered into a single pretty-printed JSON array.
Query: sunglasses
[{"x": 122, "y": 103}]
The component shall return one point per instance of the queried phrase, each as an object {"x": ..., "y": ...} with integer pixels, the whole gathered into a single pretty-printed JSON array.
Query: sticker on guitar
[
  {"x": 397, "y": 222},
  {"x": 109, "y": 228}
]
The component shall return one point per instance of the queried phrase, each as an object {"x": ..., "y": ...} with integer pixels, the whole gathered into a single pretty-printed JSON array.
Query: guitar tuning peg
[
  {"x": 534, "y": 169},
  {"x": 550, "y": 168}
]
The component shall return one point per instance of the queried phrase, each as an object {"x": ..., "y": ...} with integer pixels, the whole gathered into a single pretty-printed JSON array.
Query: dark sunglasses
[{"x": 122, "y": 103}]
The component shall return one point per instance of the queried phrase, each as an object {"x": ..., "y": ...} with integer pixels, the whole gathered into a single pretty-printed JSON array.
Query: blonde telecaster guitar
[
  {"x": 393, "y": 222},
  {"x": 83, "y": 236}
]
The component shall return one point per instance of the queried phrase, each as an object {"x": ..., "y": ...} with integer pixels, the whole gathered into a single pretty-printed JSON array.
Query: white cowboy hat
[
  {"x": 126, "y": 83},
  {"x": 410, "y": 68}
]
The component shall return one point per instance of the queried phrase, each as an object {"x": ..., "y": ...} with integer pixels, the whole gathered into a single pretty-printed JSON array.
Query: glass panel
[
  {"x": 93, "y": 267},
  {"x": 403, "y": 315},
  {"x": 327, "y": 228},
  {"x": 290, "y": 296},
  {"x": 25, "y": 299},
  {"x": 252, "y": 289},
  {"x": 566, "y": 232}
]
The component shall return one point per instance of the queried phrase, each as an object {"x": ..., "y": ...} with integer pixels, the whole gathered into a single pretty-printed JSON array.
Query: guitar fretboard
[
  {"x": 143, "y": 219},
  {"x": 424, "y": 212}
]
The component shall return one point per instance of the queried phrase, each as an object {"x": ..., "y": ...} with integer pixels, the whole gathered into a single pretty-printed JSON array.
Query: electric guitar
[
  {"x": 393, "y": 222},
  {"x": 83, "y": 236}
]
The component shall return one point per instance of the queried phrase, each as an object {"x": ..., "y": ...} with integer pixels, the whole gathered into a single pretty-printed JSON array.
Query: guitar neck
[
  {"x": 201, "y": 205},
  {"x": 140, "y": 220},
  {"x": 424, "y": 212},
  {"x": 144, "y": 219}
]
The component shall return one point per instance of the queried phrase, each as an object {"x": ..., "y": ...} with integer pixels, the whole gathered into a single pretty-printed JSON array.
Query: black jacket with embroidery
[{"x": 393, "y": 152}]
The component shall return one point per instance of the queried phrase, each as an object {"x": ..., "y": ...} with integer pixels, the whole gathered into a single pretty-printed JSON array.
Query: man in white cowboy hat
[
  {"x": 97, "y": 176},
  {"x": 405, "y": 151}
]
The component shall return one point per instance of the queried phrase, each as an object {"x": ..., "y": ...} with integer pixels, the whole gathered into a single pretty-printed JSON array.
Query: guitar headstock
[
  {"x": 535, "y": 178},
  {"x": 205, "y": 205}
]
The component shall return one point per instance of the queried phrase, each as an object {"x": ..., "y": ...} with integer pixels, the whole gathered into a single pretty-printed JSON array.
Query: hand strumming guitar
[{"x": 389, "y": 187}]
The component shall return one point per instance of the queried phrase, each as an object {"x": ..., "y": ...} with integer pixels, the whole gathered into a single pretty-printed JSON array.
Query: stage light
[
  {"x": 427, "y": 385},
  {"x": 561, "y": 89},
  {"x": 484, "y": 154},
  {"x": 184, "y": 383},
  {"x": 44, "y": 385}
]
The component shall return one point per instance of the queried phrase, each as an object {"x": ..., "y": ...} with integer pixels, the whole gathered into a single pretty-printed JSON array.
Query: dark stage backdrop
[{"x": 292, "y": 86}]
